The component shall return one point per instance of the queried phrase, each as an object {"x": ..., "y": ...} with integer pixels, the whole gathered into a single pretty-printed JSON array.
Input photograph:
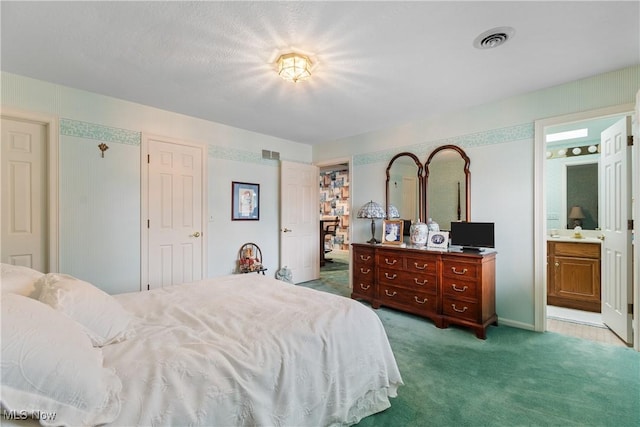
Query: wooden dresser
[{"x": 446, "y": 287}]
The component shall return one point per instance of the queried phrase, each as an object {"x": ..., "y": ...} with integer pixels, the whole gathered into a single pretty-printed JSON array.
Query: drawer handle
[
  {"x": 390, "y": 277},
  {"x": 386, "y": 260},
  {"x": 457, "y": 289},
  {"x": 424, "y": 266},
  {"x": 424, "y": 282},
  {"x": 363, "y": 258},
  {"x": 458, "y": 310},
  {"x": 459, "y": 272},
  {"x": 363, "y": 287},
  {"x": 365, "y": 272},
  {"x": 386, "y": 291},
  {"x": 420, "y": 302}
]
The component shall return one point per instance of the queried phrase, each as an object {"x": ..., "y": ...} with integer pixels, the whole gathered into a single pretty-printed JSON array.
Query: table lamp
[{"x": 374, "y": 211}]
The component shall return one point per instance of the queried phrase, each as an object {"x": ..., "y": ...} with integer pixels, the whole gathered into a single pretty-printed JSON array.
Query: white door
[
  {"x": 409, "y": 208},
  {"x": 175, "y": 213},
  {"x": 24, "y": 203},
  {"x": 300, "y": 220},
  {"x": 615, "y": 175}
]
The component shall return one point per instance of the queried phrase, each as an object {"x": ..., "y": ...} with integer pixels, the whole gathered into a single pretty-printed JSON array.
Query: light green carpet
[{"x": 514, "y": 378}]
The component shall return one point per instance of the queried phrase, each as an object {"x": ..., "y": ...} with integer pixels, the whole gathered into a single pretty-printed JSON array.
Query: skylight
[{"x": 570, "y": 134}]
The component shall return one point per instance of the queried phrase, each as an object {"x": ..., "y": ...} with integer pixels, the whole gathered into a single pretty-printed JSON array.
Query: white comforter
[{"x": 251, "y": 350}]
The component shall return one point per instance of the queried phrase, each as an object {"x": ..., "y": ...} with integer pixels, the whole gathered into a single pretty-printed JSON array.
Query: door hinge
[
  {"x": 630, "y": 308},
  {"x": 148, "y": 158},
  {"x": 630, "y": 224},
  {"x": 629, "y": 140},
  {"x": 148, "y": 287},
  {"x": 148, "y": 222}
]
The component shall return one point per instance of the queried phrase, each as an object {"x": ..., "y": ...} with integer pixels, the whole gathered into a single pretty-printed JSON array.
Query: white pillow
[
  {"x": 16, "y": 279},
  {"x": 49, "y": 365},
  {"x": 102, "y": 317}
]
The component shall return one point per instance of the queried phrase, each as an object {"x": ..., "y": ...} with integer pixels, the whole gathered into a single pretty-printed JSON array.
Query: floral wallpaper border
[
  {"x": 81, "y": 129},
  {"x": 490, "y": 137}
]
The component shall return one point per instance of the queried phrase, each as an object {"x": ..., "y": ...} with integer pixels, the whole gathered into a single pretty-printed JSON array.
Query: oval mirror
[
  {"x": 404, "y": 186},
  {"x": 447, "y": 181}
]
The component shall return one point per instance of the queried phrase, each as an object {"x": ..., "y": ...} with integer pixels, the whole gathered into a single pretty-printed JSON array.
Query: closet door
[{"x": 24, "y": 197}]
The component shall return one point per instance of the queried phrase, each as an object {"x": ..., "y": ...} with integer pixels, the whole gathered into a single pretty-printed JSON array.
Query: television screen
[{"x": 473, "y": 235}]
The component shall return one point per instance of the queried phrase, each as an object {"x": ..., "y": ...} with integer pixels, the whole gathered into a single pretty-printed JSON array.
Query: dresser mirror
[
  {"x": 405, "y": 186},
  {"x": 447, "y": 182}
]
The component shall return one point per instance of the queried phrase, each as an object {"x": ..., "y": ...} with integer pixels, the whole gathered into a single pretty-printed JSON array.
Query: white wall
[
  {"x": 499, "y": 139},
  {"x": 100, "y": 197}
]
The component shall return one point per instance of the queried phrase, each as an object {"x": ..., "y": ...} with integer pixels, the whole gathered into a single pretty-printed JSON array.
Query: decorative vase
[{"x": 418, "y": 234}]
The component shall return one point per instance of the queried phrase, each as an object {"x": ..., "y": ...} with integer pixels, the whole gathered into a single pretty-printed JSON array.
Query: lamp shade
[
  {"x": 371, "y": 210},
  {"x": 392, "y": 212},
  {"x": 576, "y": 213}
]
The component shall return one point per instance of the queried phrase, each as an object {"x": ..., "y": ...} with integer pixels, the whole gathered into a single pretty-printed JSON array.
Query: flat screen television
[{"x": 472, "y": 235}]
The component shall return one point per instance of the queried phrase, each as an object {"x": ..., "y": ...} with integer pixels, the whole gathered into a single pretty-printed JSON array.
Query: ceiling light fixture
[
  {"x": 294, "y": 67},
  {"x": 494, "y": 37}
]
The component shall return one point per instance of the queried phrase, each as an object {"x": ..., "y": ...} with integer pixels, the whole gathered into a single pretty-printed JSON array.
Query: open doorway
[
  {"x": 569, "y": 234},
  {"x": 335, "y": 214}
]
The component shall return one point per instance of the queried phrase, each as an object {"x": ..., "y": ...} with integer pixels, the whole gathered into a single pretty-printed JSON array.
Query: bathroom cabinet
[{"x": 573, "y": 275}]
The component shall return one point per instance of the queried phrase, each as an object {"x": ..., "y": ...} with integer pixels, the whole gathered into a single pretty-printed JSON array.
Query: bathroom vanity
[{"x": 573, "y": 273}]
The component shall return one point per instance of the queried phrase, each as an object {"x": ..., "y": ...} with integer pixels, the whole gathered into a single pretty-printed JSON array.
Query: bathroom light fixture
[{"x": 294, "y": 67}]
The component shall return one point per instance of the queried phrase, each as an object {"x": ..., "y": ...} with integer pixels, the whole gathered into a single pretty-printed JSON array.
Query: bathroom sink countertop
[{"x": 572, "y": 239}]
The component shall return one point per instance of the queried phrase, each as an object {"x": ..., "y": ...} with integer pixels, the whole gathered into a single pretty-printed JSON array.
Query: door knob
[
  {"x": 286, "y": 230},
  {"x": 196, "y": 234}
]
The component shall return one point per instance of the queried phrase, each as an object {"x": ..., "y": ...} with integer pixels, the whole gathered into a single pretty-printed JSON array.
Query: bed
[{"x": 237, "y": 350}]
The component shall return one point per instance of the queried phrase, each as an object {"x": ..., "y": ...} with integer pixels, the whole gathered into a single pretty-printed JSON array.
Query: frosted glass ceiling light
[{"x": 294, "y": 67}]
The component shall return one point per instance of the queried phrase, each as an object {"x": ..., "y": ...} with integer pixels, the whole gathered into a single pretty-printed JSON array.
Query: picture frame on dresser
[
  {"x": 438, "y": 240},
  {"x": 392, "y": 230}
]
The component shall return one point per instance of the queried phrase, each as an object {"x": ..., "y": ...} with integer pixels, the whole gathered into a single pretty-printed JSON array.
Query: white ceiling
[{"x": 379, "y": 64}]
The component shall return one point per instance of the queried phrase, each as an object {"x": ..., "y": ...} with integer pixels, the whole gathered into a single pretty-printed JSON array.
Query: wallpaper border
[
  {"x": 77, "y": 128},
  {"x": 489, "y": 137},
  {"x": 80, "y": 129}
]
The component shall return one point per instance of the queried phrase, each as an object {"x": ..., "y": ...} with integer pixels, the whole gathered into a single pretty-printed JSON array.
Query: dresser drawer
[
  {"x": 364, "y": 270},
  {"x": 363, "y": 257},
  {"x": 422, "y": 265},
  {"x": 408, "y": 280},
  {"x": 464, "y": 270},
  {"x": 390, "y": 260},
  {"x": 363, "y": 287},
  {"x": 418, "y": 301},
  {"x": 460, "y": 309},
  {"x": 456, "y": 288}
]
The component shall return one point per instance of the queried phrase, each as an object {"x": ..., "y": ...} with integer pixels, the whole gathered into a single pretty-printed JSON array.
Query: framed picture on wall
[{"x": 245, "y": 201}]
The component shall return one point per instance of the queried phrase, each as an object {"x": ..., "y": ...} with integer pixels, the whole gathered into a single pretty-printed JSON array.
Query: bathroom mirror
[
  {"x": 404, "y": 186},
  {"x": 447, "y": 182}
]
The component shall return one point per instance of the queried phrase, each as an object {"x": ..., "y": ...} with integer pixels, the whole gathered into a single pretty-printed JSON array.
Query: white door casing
[
  {"x": 540, "y": 216},
  {"x": 299, "y": 220},
  {"x": 174, "y": 189},
  {"x": 24, "y": 191},
  {"x": 615, "y": 212}
]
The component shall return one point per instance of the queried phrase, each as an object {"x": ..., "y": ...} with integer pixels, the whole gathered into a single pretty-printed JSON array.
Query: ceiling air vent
[{"x": 493, "y": 37}]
